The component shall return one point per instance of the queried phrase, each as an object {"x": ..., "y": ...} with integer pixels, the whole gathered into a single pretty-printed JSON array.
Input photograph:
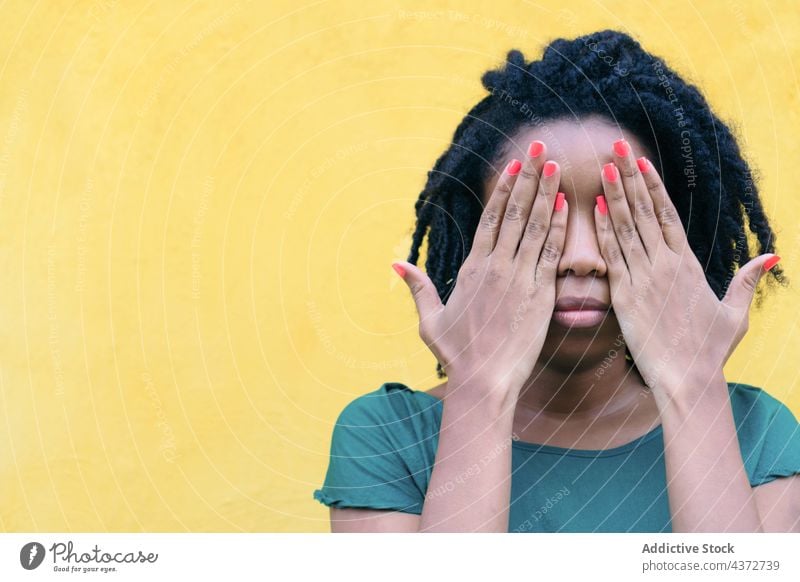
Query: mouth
[{"x": 580, "y": 312}]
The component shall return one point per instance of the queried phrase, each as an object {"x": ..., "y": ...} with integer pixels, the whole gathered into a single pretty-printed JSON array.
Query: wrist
[
  {"x": 697, "y": 390},
  {"x": 493, "y": 396}
]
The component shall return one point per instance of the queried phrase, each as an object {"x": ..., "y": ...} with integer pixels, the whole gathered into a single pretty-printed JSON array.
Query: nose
[{"x": 581, "y": 256}]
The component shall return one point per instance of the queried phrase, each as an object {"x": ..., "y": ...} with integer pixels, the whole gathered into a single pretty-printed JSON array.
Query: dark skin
[
  {"x": 565, "y": 403},
  {"x": 562, "y": 400}
]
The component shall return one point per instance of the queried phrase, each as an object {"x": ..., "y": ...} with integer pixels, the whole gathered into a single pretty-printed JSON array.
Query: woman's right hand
[{"x": 494, "y": 323}]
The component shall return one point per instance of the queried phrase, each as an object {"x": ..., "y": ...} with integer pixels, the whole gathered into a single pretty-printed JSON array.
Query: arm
[
  {"x": 779, "y": 504},
  {"x": 372, "y": 521},
  {"x": 707, "y": 484},
  {"x": 470, "y": 485},
  {"x": 680, "y": 344},
  {"x": 487, "y": 338}
]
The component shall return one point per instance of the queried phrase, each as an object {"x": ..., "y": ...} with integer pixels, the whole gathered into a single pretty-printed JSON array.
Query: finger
[
  {"x": 667, "y": 214},
  {"x": 743, "y": 286},
  {"x": 492, "y": 215},
  {"x": 518, "y": 208},
  {"x": 539, "y": 222},
  {"x": 639, "y": 202},
  {"x": 616, "y": 266},
  {"x": 423, "y": 291},
  {"x": 553, "y": 247},
  {"x": 622, "y": 221}
]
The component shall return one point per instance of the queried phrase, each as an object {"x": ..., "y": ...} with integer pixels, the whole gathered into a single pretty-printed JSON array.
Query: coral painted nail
[
  {"x": 610, "y": 172},
  {"x": 513, "y": 168},
  {"x": 621, "y": 148},
  {"x": 642, "y": 163},
  {"x": 771, "y": 262},
  {"x": 535, "y": 149},
  {"x": 601, "y": 204},
  {"x": 550, "y": 169},
  {"x": 399, "y": 269},
  {"x": 559, "y": 201}
]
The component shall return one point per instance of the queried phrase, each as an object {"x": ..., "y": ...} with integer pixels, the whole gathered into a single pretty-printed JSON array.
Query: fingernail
[
  {"x": 771, "y": 262},
  {"x": 601, "y": 204},
  {"x": 610, "y": 172},
  {"x": 399, "y": 269},
  {"x": 642, "y": 163},
  {"x": 559, "y": 201},
  {"x": 535, "y": 149},
  {"x": 621, "y": 148},
  {"x": 550, "y": 169},
  {"x": 513, "y": 167}
]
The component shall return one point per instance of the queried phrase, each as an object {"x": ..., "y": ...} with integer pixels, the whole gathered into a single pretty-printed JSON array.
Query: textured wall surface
[{"x": 200, "y": 202}]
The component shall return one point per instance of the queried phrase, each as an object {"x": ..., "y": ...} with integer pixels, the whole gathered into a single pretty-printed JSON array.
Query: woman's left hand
[{"x": 671, "y": 319}]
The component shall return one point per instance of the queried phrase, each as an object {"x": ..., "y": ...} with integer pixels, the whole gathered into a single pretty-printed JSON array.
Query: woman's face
[{"x": 581, "y": 149}]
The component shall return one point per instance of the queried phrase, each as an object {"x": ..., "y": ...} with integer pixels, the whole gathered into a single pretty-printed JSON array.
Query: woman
[{"x": 582, "y": 309}]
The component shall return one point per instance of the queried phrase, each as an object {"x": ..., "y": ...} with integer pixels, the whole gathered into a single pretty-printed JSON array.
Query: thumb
[
  {"x": 743, "y": 286},
  {"x": 422, "y": 288}
]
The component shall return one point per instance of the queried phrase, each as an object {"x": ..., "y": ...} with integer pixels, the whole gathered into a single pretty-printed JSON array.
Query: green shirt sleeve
[
  {"x": 377, "y": 454},
  {"x": 769, "y": 434}
]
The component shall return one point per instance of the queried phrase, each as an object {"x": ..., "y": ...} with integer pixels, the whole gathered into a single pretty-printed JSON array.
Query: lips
[
  {"x": 580, "y": 304},
  {"x": 580, "y": 312}
]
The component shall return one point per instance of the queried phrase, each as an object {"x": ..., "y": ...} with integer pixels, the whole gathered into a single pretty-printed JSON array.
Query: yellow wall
[{"x": 200, "y": 203}]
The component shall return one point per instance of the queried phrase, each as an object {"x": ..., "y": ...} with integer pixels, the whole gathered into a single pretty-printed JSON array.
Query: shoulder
[
  {"x": 394, "y": 412},
  {"x": 382, "y": 449},
  {"x": 392, "y": 402},
  {"x": 752, "y": 404},
  {"x": 768, "y": 433}
]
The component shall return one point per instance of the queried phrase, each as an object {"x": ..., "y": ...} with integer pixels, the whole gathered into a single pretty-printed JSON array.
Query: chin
[{"x": 587, "y": 343}]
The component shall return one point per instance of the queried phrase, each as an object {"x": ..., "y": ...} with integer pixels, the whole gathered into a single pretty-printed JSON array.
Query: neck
[{"x": 587, "y": 388}]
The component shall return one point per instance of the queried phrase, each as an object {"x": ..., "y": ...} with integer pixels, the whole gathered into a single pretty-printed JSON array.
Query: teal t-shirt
[{"x": 384, "y": 445}]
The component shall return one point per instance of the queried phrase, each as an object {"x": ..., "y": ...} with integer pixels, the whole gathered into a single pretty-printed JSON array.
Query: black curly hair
[{"x": 609, "y": 74}]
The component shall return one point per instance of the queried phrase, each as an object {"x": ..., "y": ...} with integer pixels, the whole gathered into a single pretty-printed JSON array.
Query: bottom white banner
[{"x": 123, "y": 556}]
